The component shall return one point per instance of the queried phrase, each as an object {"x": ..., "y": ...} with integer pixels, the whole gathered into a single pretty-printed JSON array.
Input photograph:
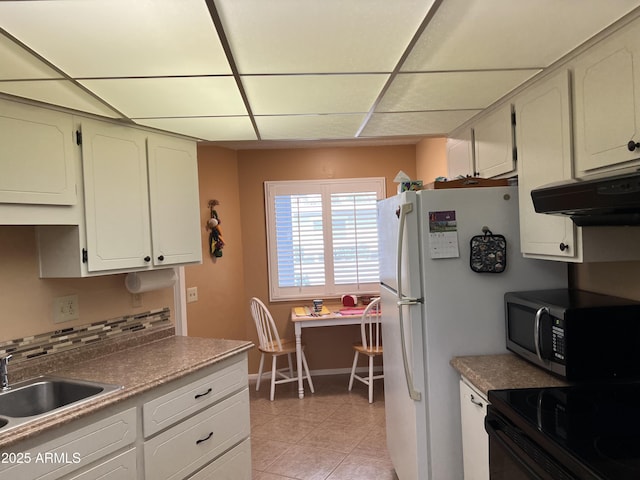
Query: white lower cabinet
[
  {"x": 57, "y": 457},
  {"x": 195, "y": 427},
  {"x": 193, "y": 443},
  {"x": 475, "y": 441},
  {"x": 121, "y": 467},
  {"x": 230, "y": 466}
]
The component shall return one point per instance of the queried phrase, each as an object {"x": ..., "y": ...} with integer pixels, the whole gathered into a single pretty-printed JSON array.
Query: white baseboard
[{"x": 329, "y": 371}]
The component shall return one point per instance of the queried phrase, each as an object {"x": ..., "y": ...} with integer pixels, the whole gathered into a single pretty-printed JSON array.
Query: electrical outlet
[
  {"x": 65, "y": 308},
  {"x": 192, "y": 294}
]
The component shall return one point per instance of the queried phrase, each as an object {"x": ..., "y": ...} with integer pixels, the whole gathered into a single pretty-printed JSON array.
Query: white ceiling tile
[
  {"x": 119, "y": 37},
  {"x": 19, "y": 64},
  {"x": 171, "y": 97},
  {"x": 206, "y": 128},
  {"x": 299, "y": 94},
  {"x": 476, "y": 34},
  {"x": 309, "y": 127},
  {"x": 311, "y": 36},
  {"x": 62, "y": 93},
  {"x": 416, "y": 123},
  {"x": 450, "y": 90}
]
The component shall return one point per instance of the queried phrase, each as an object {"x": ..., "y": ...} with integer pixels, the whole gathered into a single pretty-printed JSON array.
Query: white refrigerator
[{"x": 435, "y": 307}]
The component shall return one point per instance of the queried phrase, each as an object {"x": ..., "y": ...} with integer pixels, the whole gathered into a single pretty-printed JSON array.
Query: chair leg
[
  {"x": 306, "y": 371},
  {"x": 273, "y": 377},
  {"x": 260, "y": 372},
  {"x": 353, "y": 370},
  {"x": 290, "y": 365},
  {"x": 370, "y": 379}
]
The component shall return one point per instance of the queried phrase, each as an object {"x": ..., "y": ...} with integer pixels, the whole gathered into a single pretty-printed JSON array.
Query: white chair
[
  {"x": 271, "y": 344},
  {"x": 371, "y": 345}
]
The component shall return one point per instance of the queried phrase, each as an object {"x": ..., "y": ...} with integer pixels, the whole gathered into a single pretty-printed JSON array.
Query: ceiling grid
[{"x": 249, "y": 73}]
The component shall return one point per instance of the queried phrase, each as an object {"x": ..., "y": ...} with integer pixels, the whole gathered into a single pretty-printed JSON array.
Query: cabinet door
[
  {"x": 460, "y": 155},
  {"x": 116, "y": 196},
  {"x": 475, "y": 441},
  {"x": 38, "y": 155},
  {"x": 493, "y": 139},
  {"x": 174, "y": 200},
  {"x": 607, "y": 101},
  {"x": 543, "y": 131}
]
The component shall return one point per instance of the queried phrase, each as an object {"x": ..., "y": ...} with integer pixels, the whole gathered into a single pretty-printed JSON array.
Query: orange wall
[
  {"x": 326, "y": 347},
  {"x": 431, "y": 159},
  {"x": 27, "y": 300},
  {"x": 219, "y": 311}
]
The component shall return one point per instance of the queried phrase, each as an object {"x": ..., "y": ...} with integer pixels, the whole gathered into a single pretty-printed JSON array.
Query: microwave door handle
[
  {"x": 536, "y": 331},
  {"x": 404, "y": 209}
]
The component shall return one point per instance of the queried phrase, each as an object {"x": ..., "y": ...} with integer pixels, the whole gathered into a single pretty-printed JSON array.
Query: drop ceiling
[{"x": 249, "y": 72}]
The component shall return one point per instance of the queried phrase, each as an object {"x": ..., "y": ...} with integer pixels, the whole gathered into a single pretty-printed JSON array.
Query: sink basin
[{"x": 39, "y": 397}]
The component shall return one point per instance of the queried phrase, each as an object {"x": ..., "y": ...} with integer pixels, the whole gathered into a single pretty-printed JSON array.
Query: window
[{"x": 322, "y": 237}]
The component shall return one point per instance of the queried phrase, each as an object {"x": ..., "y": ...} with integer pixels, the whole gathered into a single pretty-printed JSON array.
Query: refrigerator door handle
[{"x": 405, "y": 209}]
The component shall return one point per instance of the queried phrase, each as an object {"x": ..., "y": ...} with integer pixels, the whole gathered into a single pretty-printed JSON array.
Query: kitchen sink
[{"x": 43, "y": 396}]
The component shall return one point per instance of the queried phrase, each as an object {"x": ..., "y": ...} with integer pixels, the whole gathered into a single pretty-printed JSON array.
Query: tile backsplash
[{"x": 79, "y": 336}]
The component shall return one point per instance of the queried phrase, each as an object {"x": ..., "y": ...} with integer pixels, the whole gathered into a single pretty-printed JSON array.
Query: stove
[{"x": 587, "y": 432}]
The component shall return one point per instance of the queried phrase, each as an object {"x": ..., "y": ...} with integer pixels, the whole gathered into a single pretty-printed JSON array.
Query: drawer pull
[
  {"x": 203, "y": 394},
  {"x": 476, "y": 402},
  {"x": 198, "y": 442}
]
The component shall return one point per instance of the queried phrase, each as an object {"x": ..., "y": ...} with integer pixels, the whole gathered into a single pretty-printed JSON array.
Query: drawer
[
  {"x": 121, "y": 467},
  {"x": 181, "y": 450},
  {"x": 74, "y": 450},
  {"x": 171, "y": 408},
  {"x": 233, "y": 465}
]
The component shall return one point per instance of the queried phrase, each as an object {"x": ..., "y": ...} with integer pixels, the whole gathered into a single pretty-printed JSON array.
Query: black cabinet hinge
[
  {"x": 78, "y": 137},
  {"x": 85, "y": 255}
]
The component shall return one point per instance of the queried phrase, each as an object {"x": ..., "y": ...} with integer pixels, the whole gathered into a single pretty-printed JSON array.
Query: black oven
[{"x": 585, "y": 432}]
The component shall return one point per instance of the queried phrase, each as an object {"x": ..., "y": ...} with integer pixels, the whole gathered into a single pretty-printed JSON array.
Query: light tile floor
[{"x": 332, "y": 434}]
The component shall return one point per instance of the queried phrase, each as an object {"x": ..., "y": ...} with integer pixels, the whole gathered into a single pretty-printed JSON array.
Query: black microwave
[{"x": 575, "y": 334}]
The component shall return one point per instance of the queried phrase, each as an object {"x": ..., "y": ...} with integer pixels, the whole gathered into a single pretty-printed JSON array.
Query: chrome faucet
[{"x": 4, "y": 374}]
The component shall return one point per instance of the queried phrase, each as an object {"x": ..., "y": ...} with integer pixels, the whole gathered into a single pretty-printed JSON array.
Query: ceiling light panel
[
  {"x": 450, "y": 90},
  {"x": 476, "y": 34},
  {"x": 299, "y": 94},
  {"x": 309, "y": 127},
  {"x": 63, "y": 93},
  {"x": 416, "y": 123},
  {"x": 171, "y": 97},
  {"x": 311, "y": 36},
  {"x": 19, "y": 64},
  {"x": 215, "y": 129},
  {"x": 119, "y": 38}
]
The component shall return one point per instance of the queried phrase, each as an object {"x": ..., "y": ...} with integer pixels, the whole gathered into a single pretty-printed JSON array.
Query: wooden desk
[{"x": 332, "y": 319}]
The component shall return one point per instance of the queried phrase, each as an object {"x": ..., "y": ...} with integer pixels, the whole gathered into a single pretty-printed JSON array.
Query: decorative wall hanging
[
  {"x": 215, "y": 236},
  {"x": 488, "y": 252}
]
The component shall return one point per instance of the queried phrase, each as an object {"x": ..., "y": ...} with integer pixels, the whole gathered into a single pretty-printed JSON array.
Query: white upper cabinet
[
  {"x": 543, "y": 132},
  {"x": 37, "y": 153},
  {"x": 493, "y": 142},
  {"x": 607, "y": 102},
  {"x": 116, "y": 196},
  {"x": 460, "y": 154},
  {"x": 174, "y": 200}
]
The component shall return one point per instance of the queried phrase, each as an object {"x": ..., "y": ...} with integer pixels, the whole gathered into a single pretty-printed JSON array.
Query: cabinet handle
[
  {"x": 633, "y": 145},
  {"x": 203, "y": 394},
  {"x": 476, "y": 402},
  {"x": 161, "y": 257},
  {"x": 198, "y": 442},
  {"x": 563, "y": 247},
  {"x": 147, "y": 258}
]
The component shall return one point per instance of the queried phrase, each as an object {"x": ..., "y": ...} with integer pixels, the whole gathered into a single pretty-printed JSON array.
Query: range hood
[{"x": 613, "y": 200}]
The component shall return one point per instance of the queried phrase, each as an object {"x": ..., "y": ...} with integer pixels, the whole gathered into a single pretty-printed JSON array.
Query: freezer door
[
  {"x": 394, "y": 213},
  {"x": 406, "y": 418}
]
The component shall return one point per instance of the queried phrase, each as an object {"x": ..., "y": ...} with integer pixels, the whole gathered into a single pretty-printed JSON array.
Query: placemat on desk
[{"x": 306, "y": 311}]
